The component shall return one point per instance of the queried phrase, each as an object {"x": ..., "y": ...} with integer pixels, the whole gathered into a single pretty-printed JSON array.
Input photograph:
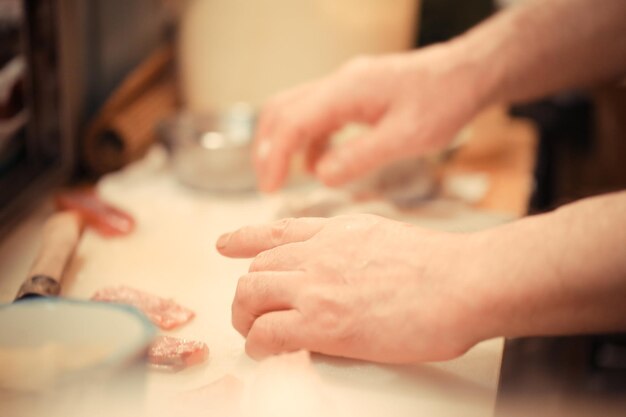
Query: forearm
[
  {"x": 559, "y": 273},
  {"x": 544, "y": 47}
]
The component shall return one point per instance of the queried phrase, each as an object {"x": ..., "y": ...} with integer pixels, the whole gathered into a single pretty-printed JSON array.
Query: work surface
[{"x": 171, "y": 253}]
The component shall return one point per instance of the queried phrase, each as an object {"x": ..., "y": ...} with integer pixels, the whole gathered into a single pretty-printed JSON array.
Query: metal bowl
[{"x": 212, "y": 151}]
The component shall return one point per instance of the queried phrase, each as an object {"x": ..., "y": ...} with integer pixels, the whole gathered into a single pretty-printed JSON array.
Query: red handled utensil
[{"x": 106, "y": 219}]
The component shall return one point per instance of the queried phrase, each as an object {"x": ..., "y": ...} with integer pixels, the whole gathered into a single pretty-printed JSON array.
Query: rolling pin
[{"x": 61, "y": 234}]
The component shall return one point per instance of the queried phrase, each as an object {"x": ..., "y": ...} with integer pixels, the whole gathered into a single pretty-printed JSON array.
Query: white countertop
[{"x": 171, "y": 253}]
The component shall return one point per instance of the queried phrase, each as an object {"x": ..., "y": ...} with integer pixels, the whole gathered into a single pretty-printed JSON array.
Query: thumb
[{"x": 354, "y": 159}]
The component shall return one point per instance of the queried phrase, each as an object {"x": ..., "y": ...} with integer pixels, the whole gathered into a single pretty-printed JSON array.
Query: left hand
[
  {"x": 357, "y": 286},
  {"x": 414, "y": 102}
]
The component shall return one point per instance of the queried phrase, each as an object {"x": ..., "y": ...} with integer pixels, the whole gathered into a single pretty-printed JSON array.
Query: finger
[
  {"x": 260, "y": 293},
  {"x": 315, "y": 113},
  {"x": 251, "y": 240},
  {"x": 274, "y": 333},
  {"x": 276, "y": 136},
  {"x": 282, "y": 258},
  {"x": 314, "y": 153},
  {"x": 376, "y": 148}
]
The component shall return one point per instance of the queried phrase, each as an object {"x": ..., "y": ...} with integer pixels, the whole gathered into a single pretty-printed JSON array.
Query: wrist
[
  {"x": 483, "y": 288},
  {"x": 516, "y": 276},
  {"x": 472, "y": 279},
  {"x": 485, "y": 64}
]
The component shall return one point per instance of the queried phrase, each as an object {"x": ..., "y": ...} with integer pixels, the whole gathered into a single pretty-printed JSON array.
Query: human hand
[
  {"x": 357, "y": 286},
  {"x": 415, "y": 103}
]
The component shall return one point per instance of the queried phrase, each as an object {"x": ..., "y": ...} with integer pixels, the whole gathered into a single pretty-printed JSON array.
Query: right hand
[
  {"x": 415, "y": 102},
  {"x": 359, "y": 286}
]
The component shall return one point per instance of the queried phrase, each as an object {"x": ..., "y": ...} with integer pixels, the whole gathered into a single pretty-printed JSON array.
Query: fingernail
[
  {"x": 263, "y": 150},
  {"x": 266, "y": 173},
  {"x": 270, "y": 182},
  {"x": 222, "y": 242},
  {"x": 265, "y": 184},
  {"x": 329, "y": 170}
]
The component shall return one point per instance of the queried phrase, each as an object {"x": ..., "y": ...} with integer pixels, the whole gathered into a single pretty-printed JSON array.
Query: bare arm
[
  {"x": 545, "y": 46},
  {"x": 416, "y": 102},
  {"x": 336, "y": 285},
  {"x": 559, "y": 273}
]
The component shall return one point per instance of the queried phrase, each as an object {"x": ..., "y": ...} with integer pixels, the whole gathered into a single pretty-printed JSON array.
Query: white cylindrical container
[{"x": 245, "y": 50}]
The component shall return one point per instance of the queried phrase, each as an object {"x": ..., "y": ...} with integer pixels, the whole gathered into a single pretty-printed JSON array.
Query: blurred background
[
  {"x": 66, "y": 67},
  {"x": 88, "y": 87}
]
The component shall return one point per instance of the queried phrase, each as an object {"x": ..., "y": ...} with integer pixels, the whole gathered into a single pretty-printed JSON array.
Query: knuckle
[
  {"x": 254, "y": 346},
  {"x": 346, "y": 158},
  {"x": 243, "y": 291},
  {"x": 268, "y": 118},
  {"x": 348, "y": 336},
  {"x": 408, "y": 132},
  {"x": 276, "y": 118},
  {"x": 278, "y": 258},
  {"x": 294, "y": 130},
  {"x": 273, "y": 107},
  {"x": 360, "y": 222},
  {"x": 238, "y": 320},
  {"x": 280, "y": 99},
  {"x": 330, "y": 315},
  {"x": 251, "y": 349},
  {"x": 259, "y": 263},
  {"x": 279, "y": 230},
  {"x": 325, "y": 308},
  {"x": 358, "y": 64},
  {"x": 329, "y": 322},
  {"x": 336, "y": 327},
  {"x": 269, "y": 338},
  {"x": 368, "y": 217},
  {"x": 276, "y": 341}
]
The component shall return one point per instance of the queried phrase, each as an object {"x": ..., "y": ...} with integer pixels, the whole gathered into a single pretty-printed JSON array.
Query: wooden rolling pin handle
[
  {"x": 61, "y": 234},
  {"x": 39, "y": 286}
]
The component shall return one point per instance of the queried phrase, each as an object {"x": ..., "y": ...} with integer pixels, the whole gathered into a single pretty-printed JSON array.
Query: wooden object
[
  {"x": 124, "y": 128},
  {"x": 61, "y": 235}
]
